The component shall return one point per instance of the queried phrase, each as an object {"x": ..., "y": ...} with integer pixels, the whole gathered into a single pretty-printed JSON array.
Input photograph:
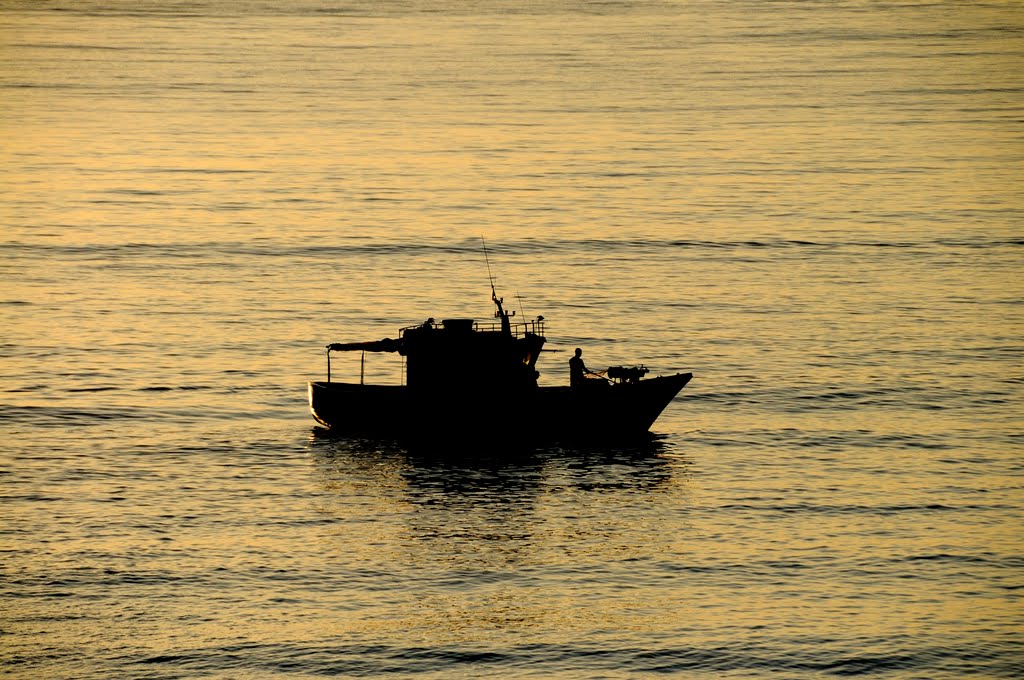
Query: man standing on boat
[{"x": 577, "y": 369}]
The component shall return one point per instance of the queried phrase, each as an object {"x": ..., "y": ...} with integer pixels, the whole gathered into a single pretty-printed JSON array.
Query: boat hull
[{"x": 595, "y": 411}]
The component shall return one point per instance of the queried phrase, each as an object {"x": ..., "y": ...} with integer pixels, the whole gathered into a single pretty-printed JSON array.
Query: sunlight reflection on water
[{"x": 814, "y": 209}]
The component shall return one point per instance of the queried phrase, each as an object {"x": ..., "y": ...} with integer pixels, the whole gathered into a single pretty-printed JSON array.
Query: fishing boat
[{"x": 465, "y": 379}]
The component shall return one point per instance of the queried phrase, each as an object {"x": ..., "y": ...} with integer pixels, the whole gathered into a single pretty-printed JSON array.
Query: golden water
[{"x": 815, "y": 207}]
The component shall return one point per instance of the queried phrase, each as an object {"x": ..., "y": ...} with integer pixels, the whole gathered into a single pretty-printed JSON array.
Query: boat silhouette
[{"x": 465, "y": 379}]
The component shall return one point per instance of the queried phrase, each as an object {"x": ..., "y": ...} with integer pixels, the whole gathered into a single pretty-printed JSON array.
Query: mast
[{"x": 506, "y": 326}]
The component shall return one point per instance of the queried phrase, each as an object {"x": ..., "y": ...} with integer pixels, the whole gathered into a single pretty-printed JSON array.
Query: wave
[
  {"x": 760, "y": 653},
  {"x": 440, "y": 246},
  {"x": 56, "y": 415},
  {"x": 61, "y": 416},
  {"x": 859, "y": 509},
  {"x": 789, "y": 398}
]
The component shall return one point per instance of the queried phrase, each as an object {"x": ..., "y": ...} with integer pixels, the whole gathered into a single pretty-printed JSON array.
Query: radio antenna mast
[
  {"x": 506, "y": 327},
  {"x": 490, "y": 276}
]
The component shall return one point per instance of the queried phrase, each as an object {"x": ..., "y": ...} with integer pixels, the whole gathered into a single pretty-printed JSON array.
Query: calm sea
[{"x": 815, "y": 207}]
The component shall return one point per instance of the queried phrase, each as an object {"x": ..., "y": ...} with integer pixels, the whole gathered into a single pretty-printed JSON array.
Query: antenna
[
  {"x": 506, "y": 328},
  {"x": 490, "y": 276}
]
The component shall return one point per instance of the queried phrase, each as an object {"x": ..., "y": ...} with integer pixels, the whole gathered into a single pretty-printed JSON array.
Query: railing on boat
[{"x": 519, "y": 328}]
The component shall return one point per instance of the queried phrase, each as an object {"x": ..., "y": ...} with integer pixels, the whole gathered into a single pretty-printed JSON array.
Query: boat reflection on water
[
  {"x": 637, "y": 464},
  {"x": 474, "y": 544}
]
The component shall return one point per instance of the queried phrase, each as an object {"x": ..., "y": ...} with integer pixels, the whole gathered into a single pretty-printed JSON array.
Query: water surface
[{"x": 815, "y": 207}]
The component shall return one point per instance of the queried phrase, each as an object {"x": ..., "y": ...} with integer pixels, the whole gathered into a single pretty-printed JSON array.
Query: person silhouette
[{"x": 577, "y": 369}]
